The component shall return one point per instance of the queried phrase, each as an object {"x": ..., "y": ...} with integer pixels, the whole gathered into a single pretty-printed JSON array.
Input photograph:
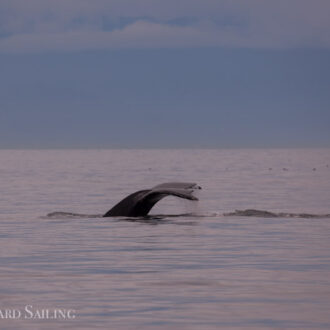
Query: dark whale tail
[{"x": 141, "y": 202}]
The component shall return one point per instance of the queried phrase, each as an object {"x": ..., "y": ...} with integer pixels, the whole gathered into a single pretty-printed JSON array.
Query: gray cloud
[{"x": 68, "y": 25}]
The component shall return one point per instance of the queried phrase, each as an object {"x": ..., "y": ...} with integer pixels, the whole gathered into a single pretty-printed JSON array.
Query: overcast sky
[{"x": 155, "y": 73}]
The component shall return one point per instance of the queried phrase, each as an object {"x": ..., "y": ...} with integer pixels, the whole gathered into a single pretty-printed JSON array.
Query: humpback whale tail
[{"x": 141, "y": 202}]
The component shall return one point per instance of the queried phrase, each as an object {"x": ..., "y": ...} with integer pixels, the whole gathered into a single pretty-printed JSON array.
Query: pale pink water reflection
[{"x": 192, "y": 272}]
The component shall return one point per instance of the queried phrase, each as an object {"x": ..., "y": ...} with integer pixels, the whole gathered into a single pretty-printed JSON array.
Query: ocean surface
[{"x": 187, "y": 267}]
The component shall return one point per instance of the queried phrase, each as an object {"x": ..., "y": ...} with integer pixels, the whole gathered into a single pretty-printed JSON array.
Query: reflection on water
[{"x": 166, "y": 272}]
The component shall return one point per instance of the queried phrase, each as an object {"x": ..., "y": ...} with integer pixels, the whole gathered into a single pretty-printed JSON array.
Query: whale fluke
[{"x": 141, "y": 202}]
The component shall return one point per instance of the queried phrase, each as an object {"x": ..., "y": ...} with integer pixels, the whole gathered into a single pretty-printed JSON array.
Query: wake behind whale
[
  {"x": 268, "y": 214},
  {"x": 237, "y": 213}
]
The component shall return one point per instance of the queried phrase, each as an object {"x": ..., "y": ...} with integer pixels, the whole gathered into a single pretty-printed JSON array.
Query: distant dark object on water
[
  {"x": 141, "y": 202},
  {"x": 285, "y": 169}
]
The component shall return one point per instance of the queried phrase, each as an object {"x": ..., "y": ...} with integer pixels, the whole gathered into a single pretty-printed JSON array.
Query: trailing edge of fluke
[{"x": 141, "y": 202}]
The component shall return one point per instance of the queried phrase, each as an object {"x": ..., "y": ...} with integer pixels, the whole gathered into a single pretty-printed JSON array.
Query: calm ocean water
[{"x": 197, "y": 271}]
